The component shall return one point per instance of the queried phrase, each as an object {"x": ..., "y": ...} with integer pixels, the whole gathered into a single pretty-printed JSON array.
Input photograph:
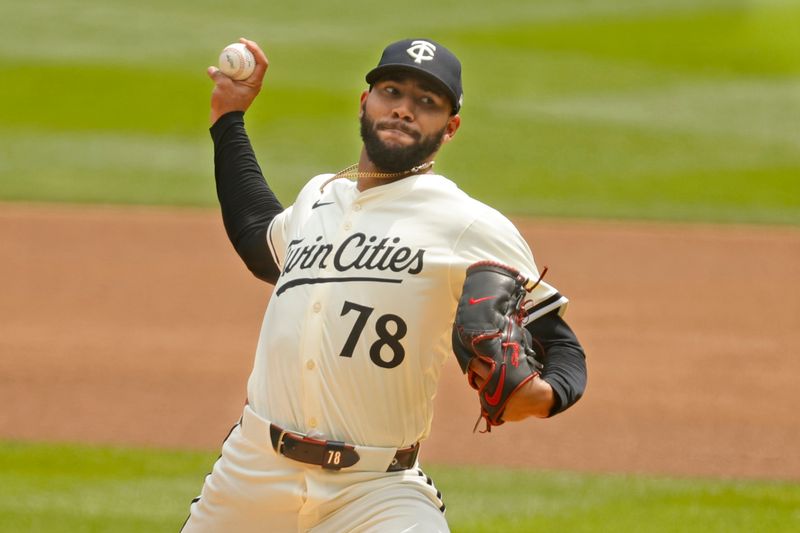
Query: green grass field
[
  {"x": 76, "y": 489},
  {"x": 664, "y": 109}
]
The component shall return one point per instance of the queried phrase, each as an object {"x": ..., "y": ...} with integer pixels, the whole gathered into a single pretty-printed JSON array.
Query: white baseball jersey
[{"x": 359, "y": 323}]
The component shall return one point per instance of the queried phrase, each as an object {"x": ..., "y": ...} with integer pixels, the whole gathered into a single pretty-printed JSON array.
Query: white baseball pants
[{"x": 253, "y": 489}]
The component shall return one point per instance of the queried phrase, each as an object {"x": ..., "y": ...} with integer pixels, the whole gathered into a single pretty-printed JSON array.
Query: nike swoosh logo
[
  {"x": 473, "y": 301},
  {"x": 319, "y": 204},
  {"x": 494, "y": 399}
]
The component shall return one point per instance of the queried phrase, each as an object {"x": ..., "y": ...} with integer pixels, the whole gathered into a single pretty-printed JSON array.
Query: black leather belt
[{"x": 331, "y": 454}]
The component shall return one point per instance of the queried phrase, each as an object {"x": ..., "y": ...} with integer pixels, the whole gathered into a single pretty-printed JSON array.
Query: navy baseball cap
[{"x": 426, "y": 57}]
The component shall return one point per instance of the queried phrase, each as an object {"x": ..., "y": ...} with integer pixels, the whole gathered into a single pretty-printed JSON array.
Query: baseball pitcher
[{"x": 381, "y": 271}]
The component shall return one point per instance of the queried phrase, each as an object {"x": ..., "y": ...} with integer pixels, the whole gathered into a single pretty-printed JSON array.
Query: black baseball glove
[{"x": 488, "y": 326}]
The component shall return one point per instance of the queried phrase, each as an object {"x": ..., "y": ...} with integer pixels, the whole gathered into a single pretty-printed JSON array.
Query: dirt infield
[{"x": 138, "y": 325}]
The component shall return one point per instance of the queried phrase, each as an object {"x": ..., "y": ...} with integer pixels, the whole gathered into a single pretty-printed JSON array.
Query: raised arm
[{"x": 248, "y": 204}]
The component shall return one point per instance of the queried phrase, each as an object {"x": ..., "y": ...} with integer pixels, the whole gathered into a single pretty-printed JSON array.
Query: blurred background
[
  {"x": 649, "y": 150},
  {"x": 676, "y": 109}
]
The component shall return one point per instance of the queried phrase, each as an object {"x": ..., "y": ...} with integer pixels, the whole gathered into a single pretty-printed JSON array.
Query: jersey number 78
[{"x": 385, "y": 337}]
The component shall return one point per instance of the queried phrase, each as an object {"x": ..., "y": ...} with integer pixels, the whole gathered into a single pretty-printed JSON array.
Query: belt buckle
[
  {"x": 333, "y": 455},
  {"x": 279, "y": 447}
]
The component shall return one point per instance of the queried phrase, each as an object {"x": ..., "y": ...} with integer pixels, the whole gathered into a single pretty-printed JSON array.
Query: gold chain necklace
[{"x": 351, "y": 172}]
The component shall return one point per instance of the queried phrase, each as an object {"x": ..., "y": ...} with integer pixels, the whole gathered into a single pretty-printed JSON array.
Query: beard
[{"x": 398, "y": 158}]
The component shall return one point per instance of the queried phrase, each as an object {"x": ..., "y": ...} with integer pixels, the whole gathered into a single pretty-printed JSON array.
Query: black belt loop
[{"x": 404, "y": 459}]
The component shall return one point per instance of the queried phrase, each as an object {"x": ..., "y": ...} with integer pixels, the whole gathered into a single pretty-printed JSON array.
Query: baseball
[{"x": 237, "y": 62}]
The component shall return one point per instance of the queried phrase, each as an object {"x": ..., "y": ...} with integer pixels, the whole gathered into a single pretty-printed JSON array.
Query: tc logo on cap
[{"x": 421, "y": 51}]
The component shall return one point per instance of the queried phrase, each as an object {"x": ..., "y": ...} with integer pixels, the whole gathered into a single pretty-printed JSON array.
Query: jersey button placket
[
  {"x": 315, "y": 362},
  {"x": 348, "y": 223},
  {"x": 312, "y": 372}
]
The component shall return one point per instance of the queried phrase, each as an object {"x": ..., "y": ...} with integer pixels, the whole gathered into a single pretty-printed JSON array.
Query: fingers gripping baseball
[
  {"x": 231, "y": 95},
  {"x": 489, "y": 341}
]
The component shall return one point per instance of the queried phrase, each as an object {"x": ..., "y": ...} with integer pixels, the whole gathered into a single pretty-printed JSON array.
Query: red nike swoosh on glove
[
  {"x": 473, "y": 301},
  {"x": 494, "y": 399}
]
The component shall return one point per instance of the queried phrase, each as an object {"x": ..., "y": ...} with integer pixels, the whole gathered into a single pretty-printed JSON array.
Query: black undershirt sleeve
[
  {"x": 564, "y": 359},
  {"x": 248, "y": 205}
]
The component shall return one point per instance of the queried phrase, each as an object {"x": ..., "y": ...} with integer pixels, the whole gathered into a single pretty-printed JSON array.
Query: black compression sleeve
[
  {"x": 564, "y": 360},
  {"x": 248, "y": 205}
]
